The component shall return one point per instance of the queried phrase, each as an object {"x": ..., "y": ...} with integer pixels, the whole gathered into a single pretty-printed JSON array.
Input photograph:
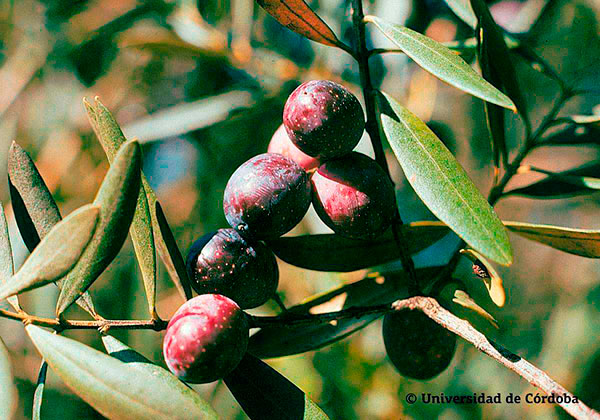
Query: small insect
[{"x": 479, "y": 270}]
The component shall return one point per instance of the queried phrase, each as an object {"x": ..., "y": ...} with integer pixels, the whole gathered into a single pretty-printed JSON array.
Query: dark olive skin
[
  {"x": 206, "y": 339},
  {"x": 224, "y": 262},
  {"x": 266, "y": 196},
  {"x": 353, "y": 196},
  {"x": 281, "y": 143},
  {"x": 418, "y": 347},
  {"x": 323, "y": 119}
]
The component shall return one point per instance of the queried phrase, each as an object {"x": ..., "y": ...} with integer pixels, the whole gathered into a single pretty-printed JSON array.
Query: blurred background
[{"x": 202, "y": 85}]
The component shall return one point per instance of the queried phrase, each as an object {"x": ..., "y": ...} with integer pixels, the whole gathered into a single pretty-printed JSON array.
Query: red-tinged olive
[{"x": 281, "y": 143}]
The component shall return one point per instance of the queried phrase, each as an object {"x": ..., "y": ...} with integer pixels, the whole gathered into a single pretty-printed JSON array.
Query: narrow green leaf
[
  {"x": 582, "y": 242},
  {"x": 117, "y": 206},
  {"x": 442, "y": 184},
  {"x": 441, "y": 62},
  {"x": 111, "y": 137},
  {"x": 265, "y": 394},
  {"x": 35, "y": 210},
  {"x": 8, "y": 393},
  {"x": 280, "y": 341},
  {"x": 7, "y": 268},
  {"x": 463, "y": 9},
  {"x": 500, "y": 60},
  {"x": 329, "y": 252},
  {"x": 112, "y": 387},
  {"x": 494, "y": 115},
  {"x": 38, "y": 395},
  {"x": 562, "y": 184},
  {"x": 185, "y": 402},
  {"x": 169, "y": 251},
  {"x": 486, "y": 272},
  {"x": 300, "y": 18},
  {"x": 57, "y": 253}
]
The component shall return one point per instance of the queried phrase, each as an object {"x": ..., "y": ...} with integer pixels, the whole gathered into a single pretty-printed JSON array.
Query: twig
[
  {"x": 361, "y": 54},
  {"x": 104, "y": 324},
  {"x": 522, "y": 367}
]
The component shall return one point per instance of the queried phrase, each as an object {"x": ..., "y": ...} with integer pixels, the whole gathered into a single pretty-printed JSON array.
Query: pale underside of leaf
[
  {"x": 8, "y": 392},
  {"x": 7, "y": 268},
  {"x": 57, "y": 253},
  {"x": 442, "y": 184},
  {"x": 109, "y": 385},
  {"x": 441, "y": 62},
  {"x": 111, "y": 138}
]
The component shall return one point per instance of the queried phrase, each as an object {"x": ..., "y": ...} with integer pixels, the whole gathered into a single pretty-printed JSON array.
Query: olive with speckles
[
  {"x": 266, "y": 196},
  {"x": 206, "y": 339},
  {"x": 323, "y": 119},
  {"x": 354, "y": 196},
  {"x": 224, "y": 262},
  {"x": 281, "y": 143},
  {"x": 418, "y": 347}
]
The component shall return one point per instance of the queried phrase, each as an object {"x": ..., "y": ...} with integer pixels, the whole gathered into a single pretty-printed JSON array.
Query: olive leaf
[
  {"x": 111, "y": 138},
  {"x": 56, "y": 254},
  {"x": 569, "y": 183},
  {"x": 8, "y": 395},
  {"x": 463, "y": 9},
  {"x": 117, "y": 206},
  {"x": 7, "y": 268},
  {"x": 109, "y": 133},
  {"x": 486, "y": 272},
  {"x": 573, "y": 136},
  {"x": 499, "y": 58},
  {"x": 185, "y": 402},
  {"x": 114, "y": 388},
  {"x": 34, "y": 207},
  {"x": 265, "y": 394},
  {"x": 35, "y": 210},
  {"x": 441, "y": 62},
  {"x": 38, "y": 395},
  {"x": 582, "y": 242},
  {"x": 330, "y": 252},
  {"x": 300, "y": 18},
  {"x": 494, "y": 115},
  {"x": 440, "y": 181},
  {"x": 454, "y": 297},
  {"x": 285, "y": 340}
]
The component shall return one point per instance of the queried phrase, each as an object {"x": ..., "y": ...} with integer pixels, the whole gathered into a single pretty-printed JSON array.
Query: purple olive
[
  {"x": 323, "y": 119},
  {"x": 266, "y": 196},
  {"x": 206, "y": 339},
  {"x": 281, "y": 143},
  {"x": 354, "y": 196},
  {"x": 224, "y": 262}
]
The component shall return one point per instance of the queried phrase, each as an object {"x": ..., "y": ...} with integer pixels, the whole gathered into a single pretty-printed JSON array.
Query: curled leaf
[
  {"x": 38, "y": 395},
  {"x": 461, "y": 304},
  {"x": 111, "y": 137},
  {"x": 441, "y": 62},
  {"x": 486, "y": 272},
  {"x": 56, "y": 254},
  {"x": 265, "y": 394},
  {"x": 114, "y": 388},
  {"x": 330, "y": 252},
  {"x": 300, "y": 18},
  {"x": 440, "y": 181},
  {"x": 117, "y": 206}
]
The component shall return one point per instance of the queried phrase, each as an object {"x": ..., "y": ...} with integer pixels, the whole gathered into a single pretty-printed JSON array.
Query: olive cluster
[{"x": 309, "y": 160}]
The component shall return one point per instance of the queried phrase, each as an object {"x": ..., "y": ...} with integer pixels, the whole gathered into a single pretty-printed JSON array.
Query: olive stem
[{"x": 361, "y": 54}]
